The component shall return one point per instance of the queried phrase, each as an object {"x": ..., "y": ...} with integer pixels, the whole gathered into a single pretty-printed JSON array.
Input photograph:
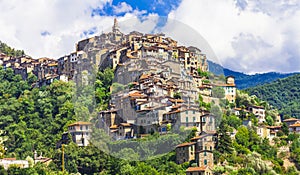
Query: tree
[
  {"x": 269, "y": 120},
  {"x": 285, "y": 128},
  {"x": 218, "y": 92},
  {"x": 225, "y": 142},
  {"x": 242, "y": 136},
  {"x": 234, "y": 121}
]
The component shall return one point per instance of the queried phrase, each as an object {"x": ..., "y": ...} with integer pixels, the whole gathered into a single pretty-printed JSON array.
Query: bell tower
[{"x": 115, "y": 27}]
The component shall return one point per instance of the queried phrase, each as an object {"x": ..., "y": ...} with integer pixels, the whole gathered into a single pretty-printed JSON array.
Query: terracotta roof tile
[
  {"x": 185, "y": 144},
  {"x": 80, "y": 123},
  {"x": 195, "y": 169},
  {"x": 290, "y": 120},
  {"x": 295, "y": 125}
]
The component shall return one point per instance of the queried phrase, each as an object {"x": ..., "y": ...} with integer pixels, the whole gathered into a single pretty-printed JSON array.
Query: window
[
  {"x": 194, "y": 119},
  {"x": 80, "y": 127},
  {"x": 87, "y": 127},
  {"x": 193, "y": 112},
  {"x": 205, "y": 162},
  {"x": 187, "y": 119},
  {"x": 186, "y": 112},
  {"x": 204, "y": 153}
]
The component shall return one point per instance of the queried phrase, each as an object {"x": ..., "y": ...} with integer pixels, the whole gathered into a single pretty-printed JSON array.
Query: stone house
[{"x": 185, "y": 152}]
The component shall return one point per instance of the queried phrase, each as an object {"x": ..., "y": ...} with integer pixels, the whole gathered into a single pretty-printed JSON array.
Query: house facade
[
  {"x": 80, "y": 132},
  {"x": 185, "y": 152}
]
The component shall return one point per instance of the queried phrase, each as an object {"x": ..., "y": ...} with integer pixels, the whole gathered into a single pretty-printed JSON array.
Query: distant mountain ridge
[{"x": 244, "y": 81}]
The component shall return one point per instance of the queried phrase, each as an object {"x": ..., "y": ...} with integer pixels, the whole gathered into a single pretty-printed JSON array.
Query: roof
[
  {"x": 114, "y": 127},
  {"x": 199, "y": 137},
  {"x": 295, "y": 125},
  {"x": 176, "y": 100},
  {"x": 80, "y": 123},
  {"x": 274, "y": 127},
  {"x": 185, "y": 144},
  {"x": 195, "y": 169},
  {"x": 259, "y": 107},
  {"x": 9, "y": 159},
  {"x": 43, "y": 159},
  {"x": 136, "y": 94},
  {"x": 125, "y": 124},
  {"x": 135, "y": 83},
  {"x": 290, "y": 120},
  {"x": 225, "y": 85},
  {"x": 144, "y": 76}
]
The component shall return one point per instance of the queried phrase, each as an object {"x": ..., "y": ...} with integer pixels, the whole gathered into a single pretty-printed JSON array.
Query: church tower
[{"x": 115, "y": 27}]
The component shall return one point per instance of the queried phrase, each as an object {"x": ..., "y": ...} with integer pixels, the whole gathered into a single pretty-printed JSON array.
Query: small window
[
  {"x": 80, "y": 127},
  {"x": 204, "y": 153},
  {"x": 186, "y": 112},
  {"x": 205, "y": 162},
  {"x": 193, "y": 112}
]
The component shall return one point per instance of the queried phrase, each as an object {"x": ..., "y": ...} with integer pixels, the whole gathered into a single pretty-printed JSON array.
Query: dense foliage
[
  {"x": 32, "y": 118},
  {"x": 284, "y": 94},
  {"x": 4, "y": 48},
  {"x": 244, "y": 81},
  {"x": 35, "y": 118}
]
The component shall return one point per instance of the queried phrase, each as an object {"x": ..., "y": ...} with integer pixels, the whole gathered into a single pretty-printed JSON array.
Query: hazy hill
[
  {"x": 282, "y": 93},
  {"x": 244, "y": 81}
]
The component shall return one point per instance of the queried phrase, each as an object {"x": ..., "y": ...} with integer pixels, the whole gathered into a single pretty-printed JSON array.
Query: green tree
[
  {"x": 225, "y": 143},
  {"x": 218, "y": 92},
  {"x": 269, "y": 120},
  {"x": 242, "y": 136}
]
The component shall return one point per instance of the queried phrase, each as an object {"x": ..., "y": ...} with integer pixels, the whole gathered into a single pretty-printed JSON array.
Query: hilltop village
[{"x": 162, "y": 85}]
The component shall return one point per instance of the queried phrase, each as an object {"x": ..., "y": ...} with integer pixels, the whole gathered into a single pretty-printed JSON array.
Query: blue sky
[
  {"x": 160, "y": 7},
  {"x": 246, "y": 35}
]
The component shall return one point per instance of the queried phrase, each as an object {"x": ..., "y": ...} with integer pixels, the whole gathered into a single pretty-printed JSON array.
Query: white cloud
[
  {"x": 122, "y": 7},
  {"x": 235, "y": 34},
  {"x": 22, "y": 23}
]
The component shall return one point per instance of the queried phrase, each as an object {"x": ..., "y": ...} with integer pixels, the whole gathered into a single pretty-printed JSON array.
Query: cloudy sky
[{"x": 245, "y": 35}]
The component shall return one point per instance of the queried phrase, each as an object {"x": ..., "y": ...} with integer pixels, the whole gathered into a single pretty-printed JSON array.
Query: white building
[
  {"x": 7, "y": 162},
  {"x": 80, "y": 132}
]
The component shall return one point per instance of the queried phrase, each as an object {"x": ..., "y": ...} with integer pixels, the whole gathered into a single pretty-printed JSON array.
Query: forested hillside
[
  {"x": 35, "y": 118},
  {"x": 284, "y": 94},
  {"x": 244, "y": 81},
  {"x": 7, "y": 50}
]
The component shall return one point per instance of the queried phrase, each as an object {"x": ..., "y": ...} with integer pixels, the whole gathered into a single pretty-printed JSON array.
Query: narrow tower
[{"x": 115, "y": 27}]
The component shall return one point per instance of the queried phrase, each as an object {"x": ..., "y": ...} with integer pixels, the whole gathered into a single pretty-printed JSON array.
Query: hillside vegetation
[
  {"x": 244, "y": 81},
  {"x": 9, "y": 51},
  {"x": 284, "y": 94}
]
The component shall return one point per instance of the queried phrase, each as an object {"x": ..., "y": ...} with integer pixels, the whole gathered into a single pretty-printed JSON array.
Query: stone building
[{"x": 185, "y": 152}]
